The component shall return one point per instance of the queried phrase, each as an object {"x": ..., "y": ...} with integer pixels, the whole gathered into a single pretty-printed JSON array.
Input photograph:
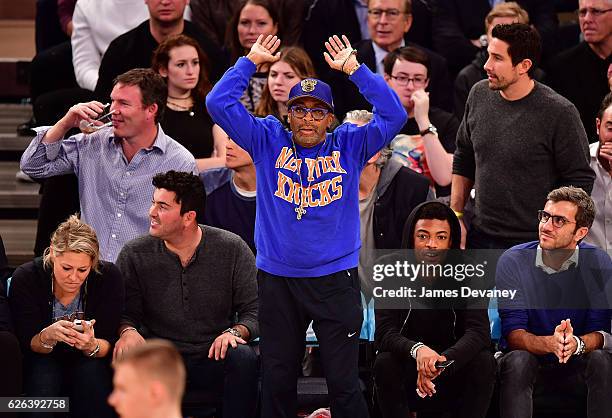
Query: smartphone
[
  {"x": 444, "y": 364},
  {"x": 78, "y": 324}
]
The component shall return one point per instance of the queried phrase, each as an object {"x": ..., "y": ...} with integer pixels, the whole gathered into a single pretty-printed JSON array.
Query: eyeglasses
[
  {"x": 594, "y": 12},
  {"x": 417, "y": 81},
  {"x": 392, "y": 14},
  {"x": 557, "y": 220},
  {"x": 317, "y": 113}
]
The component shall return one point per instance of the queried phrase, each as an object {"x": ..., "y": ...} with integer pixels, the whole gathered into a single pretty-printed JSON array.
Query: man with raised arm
[{"x": 307, "y": 223}]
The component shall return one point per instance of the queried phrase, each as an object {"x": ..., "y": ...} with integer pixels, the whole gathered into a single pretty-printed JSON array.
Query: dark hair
[
  {"x": 161, "y": 58},
  {"x": 406, "y": 53},
  {"x": 523, "y": 43},
  {"x": 300, "y": 62},
  {"x": 152, "y": 87},
  {"x": 188, "y": 188},
  {"x": 606, "y": 103},
  {"x": 434, "y": 211},
  {"x": 585, "y": 213},
  {"x": 232, "y": 40},
  {"x": 431, "y": 210}
]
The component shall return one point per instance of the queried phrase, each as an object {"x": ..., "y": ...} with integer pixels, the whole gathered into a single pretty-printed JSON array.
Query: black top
[
  {"x": 581, "y": 77},
  {"x": 31, "y": 302},
  {"x": 447, "y": 126},
  {"x": 456, "y": 22},
  {"x": 5, "y": 313},
  {"x": 458, "y": 334},
  {"x": 405, "y": 192},
  {"x": 134, "y": 49},
  {"x": 192, "y": 132}
]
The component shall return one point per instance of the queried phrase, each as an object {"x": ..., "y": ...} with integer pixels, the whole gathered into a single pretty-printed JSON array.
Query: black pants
[
  {"x": 463, "y": 393},
  {"x": 520, "y": 372},
  {"x": 87, "y": 381},
  {"x": 286, "y": 306},
  {"x": 234, "y": 379},
  {"x": 59, "y": 200},
  {"x": 10, "y": 366}
]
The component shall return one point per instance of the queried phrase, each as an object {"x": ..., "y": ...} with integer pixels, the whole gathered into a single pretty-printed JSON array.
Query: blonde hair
[
  {"x": 507, "y": 9},
  {"x": 75, "y": 236},
  {"x": 159, "y": 359}
]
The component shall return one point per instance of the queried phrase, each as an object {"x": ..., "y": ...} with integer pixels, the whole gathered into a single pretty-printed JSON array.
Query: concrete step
[
  {"x": 18, "y": 236},
  {"x": 14, "y": 194},
  {"x": 14, "y": 142}
]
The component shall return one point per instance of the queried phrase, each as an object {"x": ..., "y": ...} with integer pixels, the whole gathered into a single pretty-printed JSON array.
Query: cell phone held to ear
[
  {"x": 444, "y": 364},
  {"x": 78, "y": 324}
]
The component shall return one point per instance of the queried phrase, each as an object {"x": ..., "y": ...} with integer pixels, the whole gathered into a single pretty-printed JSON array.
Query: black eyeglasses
[
  {"x": 392, "y": 14},
  {"x": 417, "y": 81},
  {"x": 594, "y": 12},
  {"x": 317, "y": 113},
  {"x": 557, "y": 220}
]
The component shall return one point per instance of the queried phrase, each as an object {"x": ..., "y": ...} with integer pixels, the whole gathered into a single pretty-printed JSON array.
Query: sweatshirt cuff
[{"x": 246, "y": 65}]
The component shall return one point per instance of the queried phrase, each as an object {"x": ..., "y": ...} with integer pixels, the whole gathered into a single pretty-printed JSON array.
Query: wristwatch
[
  {"x": 233, "y": 331},
  {"x": 580, "y": 346},
  {"x": 430, "y": 130}
]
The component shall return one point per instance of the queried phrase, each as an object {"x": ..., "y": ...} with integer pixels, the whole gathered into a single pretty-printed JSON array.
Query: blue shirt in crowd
[
  {"x": 542, "y": 299},
  {"x": 115, "y": 194},
  {"x": 326, "y": 239}
]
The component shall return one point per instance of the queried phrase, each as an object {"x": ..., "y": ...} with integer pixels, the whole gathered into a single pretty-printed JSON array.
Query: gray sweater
[
  {"x": 516, "y": 152},
  {"x": 190, "y": 306}
]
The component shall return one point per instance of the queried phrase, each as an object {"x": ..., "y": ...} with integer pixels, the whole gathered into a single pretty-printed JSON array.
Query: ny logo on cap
[{"x": 308, "y": 85}]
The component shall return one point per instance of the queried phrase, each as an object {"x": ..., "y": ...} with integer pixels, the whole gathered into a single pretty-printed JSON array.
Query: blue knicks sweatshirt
[
  {"x": 326, "y": 239},
  {"x": 543, "y": 300}
]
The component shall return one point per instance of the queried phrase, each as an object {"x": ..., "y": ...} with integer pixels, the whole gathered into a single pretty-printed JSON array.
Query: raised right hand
[
  {"x": 128, "y": 340},
  {"x": 82, "y": 111},
  {"x": 263, "y": 50}
]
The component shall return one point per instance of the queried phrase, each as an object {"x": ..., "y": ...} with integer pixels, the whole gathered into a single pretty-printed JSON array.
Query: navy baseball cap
[{"x": 311, "y": 87}]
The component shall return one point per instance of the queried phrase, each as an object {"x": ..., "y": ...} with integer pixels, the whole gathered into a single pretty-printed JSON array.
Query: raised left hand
[
  {"x": 339, "y": 55},
  {"x": 218, "y": 349}
]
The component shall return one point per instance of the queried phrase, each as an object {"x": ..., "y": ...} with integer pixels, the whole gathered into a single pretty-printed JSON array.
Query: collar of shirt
[
  {"x": 194, "y": 256},
  {"x": 380, "y": 55},
  {"x": 161, "y": 140},
  {"x": 539, "y": 262}
]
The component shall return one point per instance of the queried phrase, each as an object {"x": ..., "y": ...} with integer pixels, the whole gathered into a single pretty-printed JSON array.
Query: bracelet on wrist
[
  {"x": 44, "y": 344},
  {"x": 95, "y": 351},
  {"x": 353, "y": 52},
  {"x": 414, "y": 349},
  {"x": 126, "y": 329},
  {"x": 458, "y": 214},
  {"x": 580, "y": 346}
]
